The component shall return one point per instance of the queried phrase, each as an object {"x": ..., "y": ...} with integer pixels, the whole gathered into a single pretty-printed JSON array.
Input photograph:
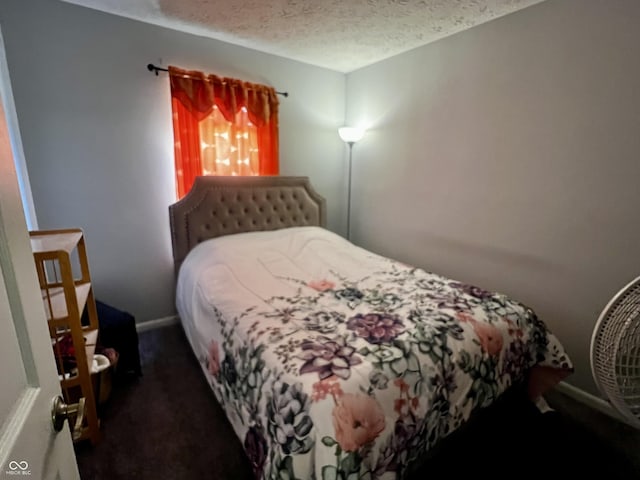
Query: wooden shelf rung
[
  {"x": 55, "y": 301},
  {"x": 55, "y": 240}
]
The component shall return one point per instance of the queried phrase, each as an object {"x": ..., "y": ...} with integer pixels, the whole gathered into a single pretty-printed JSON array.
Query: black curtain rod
[{"x": 152, "y": 68}]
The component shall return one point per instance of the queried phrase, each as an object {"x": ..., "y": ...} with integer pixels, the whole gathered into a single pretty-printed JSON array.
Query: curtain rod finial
[{"x": 151, "y": 67}]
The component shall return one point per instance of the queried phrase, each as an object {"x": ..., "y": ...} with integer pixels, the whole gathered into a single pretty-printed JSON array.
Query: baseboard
[
  {"x": 590, "y": 400},
  {"x": 157, "y": 323}
]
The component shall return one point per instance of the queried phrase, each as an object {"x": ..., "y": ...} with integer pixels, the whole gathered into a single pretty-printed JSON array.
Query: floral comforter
[{"x": 332, "y": 362}]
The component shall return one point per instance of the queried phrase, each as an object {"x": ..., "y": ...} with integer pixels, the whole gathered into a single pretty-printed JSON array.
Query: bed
[{"x": 332, "y": 362}]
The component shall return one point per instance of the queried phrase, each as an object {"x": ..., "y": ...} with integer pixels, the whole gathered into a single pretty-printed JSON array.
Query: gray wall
[
  {"x": 98, "y": 140},
  {"x": 508, "y": 156}
]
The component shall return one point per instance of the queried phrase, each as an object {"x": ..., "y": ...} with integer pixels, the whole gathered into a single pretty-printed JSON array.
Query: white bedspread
[{"x": 333, "y": 362}]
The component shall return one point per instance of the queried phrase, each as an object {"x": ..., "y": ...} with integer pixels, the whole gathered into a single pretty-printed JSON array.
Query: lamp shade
[{"x": 351, "y": 134}]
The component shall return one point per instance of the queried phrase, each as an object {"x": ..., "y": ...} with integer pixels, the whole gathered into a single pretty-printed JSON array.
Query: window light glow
[{"x": 229, "y": 148}]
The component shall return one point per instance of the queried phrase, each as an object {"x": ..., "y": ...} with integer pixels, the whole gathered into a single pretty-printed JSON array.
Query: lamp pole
[
  {"x": 350, "y": 135},
  {"x": 349, "y": 192}
]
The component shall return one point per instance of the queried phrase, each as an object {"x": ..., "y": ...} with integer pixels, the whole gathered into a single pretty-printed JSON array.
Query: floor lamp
[{"x": 350, "y": 135}]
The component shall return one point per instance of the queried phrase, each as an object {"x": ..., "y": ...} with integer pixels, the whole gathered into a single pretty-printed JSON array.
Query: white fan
[{"x": 615, "y": 352}]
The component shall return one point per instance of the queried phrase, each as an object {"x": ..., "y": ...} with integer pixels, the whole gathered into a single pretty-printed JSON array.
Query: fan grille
[{"x": 615, "y": 352}]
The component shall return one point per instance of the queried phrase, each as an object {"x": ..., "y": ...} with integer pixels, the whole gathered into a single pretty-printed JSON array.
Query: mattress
[{"x": 333, "y": 362}]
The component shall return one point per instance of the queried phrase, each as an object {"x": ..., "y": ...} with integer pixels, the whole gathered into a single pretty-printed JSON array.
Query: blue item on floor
[{"x": 118, "y": 331}]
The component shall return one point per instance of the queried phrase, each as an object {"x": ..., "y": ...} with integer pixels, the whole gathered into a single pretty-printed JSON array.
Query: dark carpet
[{"x": 168, "y": 425}]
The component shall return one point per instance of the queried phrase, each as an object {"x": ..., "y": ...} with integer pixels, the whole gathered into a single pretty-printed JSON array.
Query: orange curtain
[{"x": 222, "y": 125}]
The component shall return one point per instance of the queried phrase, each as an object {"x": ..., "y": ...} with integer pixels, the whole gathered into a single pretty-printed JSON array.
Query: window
[
  {"x": 222, "y": 126},
  {"x": 229, "y": 148}
]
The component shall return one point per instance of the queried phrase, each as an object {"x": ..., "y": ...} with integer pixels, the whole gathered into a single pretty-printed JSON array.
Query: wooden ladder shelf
[{"x": 65, "y": 283}]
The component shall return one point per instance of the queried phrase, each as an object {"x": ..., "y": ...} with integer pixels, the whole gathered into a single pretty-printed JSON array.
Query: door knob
[{"x": 60, "y": 412}]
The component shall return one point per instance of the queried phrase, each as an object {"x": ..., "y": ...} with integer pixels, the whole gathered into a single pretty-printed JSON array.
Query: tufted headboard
[{"x": 217, "y": 206}]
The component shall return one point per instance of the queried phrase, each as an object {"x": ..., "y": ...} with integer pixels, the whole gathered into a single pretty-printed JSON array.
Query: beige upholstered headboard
[{"x": 217, "y": 206}]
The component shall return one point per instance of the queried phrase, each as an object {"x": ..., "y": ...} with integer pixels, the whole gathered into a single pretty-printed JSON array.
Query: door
[{"x": 29, "y": 446}]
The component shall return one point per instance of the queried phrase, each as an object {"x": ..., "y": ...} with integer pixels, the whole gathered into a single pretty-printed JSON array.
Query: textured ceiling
[{"x": 341, "y": 35}]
